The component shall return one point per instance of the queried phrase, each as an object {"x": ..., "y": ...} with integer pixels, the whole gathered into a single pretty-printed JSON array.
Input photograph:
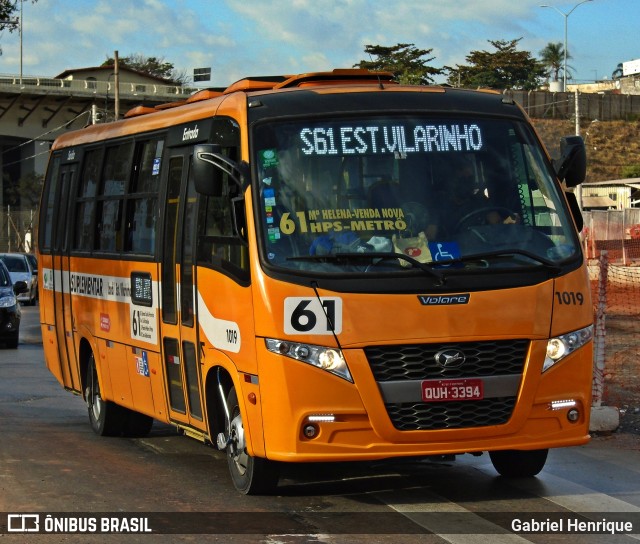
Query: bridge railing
[{"x": 49, "y": 85}]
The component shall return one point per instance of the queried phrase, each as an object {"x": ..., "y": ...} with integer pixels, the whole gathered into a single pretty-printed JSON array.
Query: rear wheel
[
  {"x": 106, "y": 417},
  {"x": 518, "y": 463},
  {"x": 250, "y": 475}
]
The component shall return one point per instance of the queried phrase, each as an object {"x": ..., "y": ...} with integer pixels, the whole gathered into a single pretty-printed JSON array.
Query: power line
[
  {"x": 45, "y": 133},
  {"x": 26, "y": 158}
]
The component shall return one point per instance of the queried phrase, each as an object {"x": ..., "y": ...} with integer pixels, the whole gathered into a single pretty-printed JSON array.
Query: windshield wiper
[
  {"x": 372, "y": 255},
  {"x": 550, "y": 265},
  {"x": 437, "y": 273}
]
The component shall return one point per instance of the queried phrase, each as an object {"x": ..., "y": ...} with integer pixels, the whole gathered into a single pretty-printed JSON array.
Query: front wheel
[
  {"x": 250, "y": 475},
  {"x": 518, "y": 463}
]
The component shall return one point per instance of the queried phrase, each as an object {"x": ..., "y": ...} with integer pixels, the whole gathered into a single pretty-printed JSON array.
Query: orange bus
[{"x": 322, "y": 267}]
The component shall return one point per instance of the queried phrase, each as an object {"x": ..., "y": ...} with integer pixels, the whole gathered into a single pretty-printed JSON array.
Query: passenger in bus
[{"x": 463, "y": 202}]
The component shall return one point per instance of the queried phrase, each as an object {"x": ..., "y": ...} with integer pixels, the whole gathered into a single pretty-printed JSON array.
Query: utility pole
[
  {"x": 566, "y": 25},
  {"x": 116, "y": 80},
  {"x": 21, "y": 2},
  {"x": 577, "y": 112}
]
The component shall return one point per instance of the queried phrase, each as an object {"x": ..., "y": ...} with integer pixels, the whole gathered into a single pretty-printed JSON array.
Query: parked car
[
  {"x": 20, "y": 270},
  {"x": 9, "y": 308},
  {"x": 33, "y": 261}
]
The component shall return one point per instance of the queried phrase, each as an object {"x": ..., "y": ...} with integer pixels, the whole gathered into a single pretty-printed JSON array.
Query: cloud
[
  {"x": 239, "y": 37},
  {"x": 342, "y": 30}
]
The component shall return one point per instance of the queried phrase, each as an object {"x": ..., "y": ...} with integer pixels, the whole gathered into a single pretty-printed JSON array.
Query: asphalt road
[{"x": 51, "y": 462}]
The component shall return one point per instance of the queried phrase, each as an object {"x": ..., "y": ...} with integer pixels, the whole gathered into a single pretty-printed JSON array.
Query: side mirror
[
  {"x": 207, "y": 176},
  {"x": 572, "y": 164},
  {"x": 209, "y": 166},
  {"x": 20, "y": 287}
]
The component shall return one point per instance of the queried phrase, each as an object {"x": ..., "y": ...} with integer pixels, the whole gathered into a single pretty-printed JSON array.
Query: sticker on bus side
[
  {"x": 143, "y": 324},
  {"x": 222, "y": 334},
  {"x": 310, "y": 315}
]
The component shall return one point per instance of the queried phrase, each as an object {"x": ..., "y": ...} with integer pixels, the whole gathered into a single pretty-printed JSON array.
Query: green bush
[{"x": 631, "y": 171}]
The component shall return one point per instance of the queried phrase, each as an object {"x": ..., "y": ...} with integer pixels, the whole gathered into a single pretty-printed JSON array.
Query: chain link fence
[
  {"x": 611, "y": 240},
  {"x": 614, "y": 231}
]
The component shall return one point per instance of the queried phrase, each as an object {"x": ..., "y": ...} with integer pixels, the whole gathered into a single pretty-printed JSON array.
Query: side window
[
  {"x": 85, "y": 200},
  {"x": 170, "y": 250},
  {"x": 110, "y": 200},
  {"x": 142, "y": 205},
  {"x": 217, "y": 245},
  {"x": 46, "y": 228}
]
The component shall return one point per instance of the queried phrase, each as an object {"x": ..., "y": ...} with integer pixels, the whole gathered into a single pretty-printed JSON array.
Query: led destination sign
[{"x": 397, "y": 139}]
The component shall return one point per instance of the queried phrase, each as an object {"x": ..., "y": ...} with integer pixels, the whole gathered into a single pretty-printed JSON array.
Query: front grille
[
  {"x": 450, "y": 415},
  {"x": 418, "y": 362}
]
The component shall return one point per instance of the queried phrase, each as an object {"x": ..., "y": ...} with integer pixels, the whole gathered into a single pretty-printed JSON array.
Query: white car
[{"x": 20, "y": 270}]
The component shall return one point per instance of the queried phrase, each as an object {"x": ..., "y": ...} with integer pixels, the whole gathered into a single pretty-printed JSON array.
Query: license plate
[{"x": 452, "y": 390}]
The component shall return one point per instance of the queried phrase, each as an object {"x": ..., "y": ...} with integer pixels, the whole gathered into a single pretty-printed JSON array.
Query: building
[
  {"x": 626, "y": 80},
  {"x": 617, "y": 194}
]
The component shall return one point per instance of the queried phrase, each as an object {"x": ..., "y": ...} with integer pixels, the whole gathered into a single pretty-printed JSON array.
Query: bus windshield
[{"x": 382, "y": 194}]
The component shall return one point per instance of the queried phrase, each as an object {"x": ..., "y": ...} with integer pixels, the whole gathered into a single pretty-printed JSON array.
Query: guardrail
[{"x": 86, "y": 87}]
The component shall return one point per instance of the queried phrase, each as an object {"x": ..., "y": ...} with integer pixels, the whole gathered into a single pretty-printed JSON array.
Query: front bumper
[{"x": 361, "y": 427}]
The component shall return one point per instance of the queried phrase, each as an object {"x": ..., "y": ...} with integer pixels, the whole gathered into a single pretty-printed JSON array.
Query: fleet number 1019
[{"x": 570, "y": 297}]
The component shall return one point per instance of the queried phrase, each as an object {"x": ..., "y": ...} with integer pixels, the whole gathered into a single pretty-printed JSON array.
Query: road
[{"x": 51, "y": 462}]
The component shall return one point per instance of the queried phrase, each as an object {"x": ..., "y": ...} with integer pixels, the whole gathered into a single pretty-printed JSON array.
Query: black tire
[
  {"x": 518, "y": 463},
  {"x": 106, "y": 418},
  {"x": 137, "y": 425},
  {"x": 12, "y": 342},
  {"x": 250, "y": 475}
]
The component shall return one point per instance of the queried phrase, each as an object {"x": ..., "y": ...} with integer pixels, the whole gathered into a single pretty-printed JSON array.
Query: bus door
[
  {"x": 63, "y": 315},
  {"x": 180, "y": 346}
]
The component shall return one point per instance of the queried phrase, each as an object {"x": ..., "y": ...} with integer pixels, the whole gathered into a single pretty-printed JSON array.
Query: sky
[{"x": 239, "y": 38}]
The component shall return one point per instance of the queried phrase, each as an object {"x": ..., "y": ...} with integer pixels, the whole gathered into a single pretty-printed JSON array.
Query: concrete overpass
[{"x": 35, "y": 110}]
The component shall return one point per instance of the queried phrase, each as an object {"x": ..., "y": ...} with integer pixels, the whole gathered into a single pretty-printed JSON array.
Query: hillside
[{"x": 611, "y": 145}]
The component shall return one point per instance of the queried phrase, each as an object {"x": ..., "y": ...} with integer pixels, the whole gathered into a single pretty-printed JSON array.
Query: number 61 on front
[{"x": 305, "y": 315}]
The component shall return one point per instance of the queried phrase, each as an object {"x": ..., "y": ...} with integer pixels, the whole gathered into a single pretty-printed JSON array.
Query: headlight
[
  {"x": 7, "y": 301},
  {"x": 329, "y": 359},
  {"x": 561, "y": 346}
]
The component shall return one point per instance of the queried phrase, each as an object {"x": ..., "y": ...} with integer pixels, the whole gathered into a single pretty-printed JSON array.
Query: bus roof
[{"x": 206, "y": 102}]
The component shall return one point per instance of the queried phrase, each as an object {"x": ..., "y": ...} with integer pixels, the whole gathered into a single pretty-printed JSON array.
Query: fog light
[
  {"x": 560, "y": 404},
  {"x": 310, "y": 431},
  {"x": 573, "y": 415},
  {"x": 322, "y": 418}
]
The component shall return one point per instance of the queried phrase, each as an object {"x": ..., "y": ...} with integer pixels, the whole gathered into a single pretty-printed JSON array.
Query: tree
[
  {"x": 506, "y": 68},
  {"x": 618, "y": 72},
  {"x": 153, "y": 66},
  {"x": 404, "y": 60},
  {"x": 8, "y": 9},
  {"x": 26, "y": 192},
  {"x": 631, "y": 171},
  {"x": 552, "y": 57}
]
